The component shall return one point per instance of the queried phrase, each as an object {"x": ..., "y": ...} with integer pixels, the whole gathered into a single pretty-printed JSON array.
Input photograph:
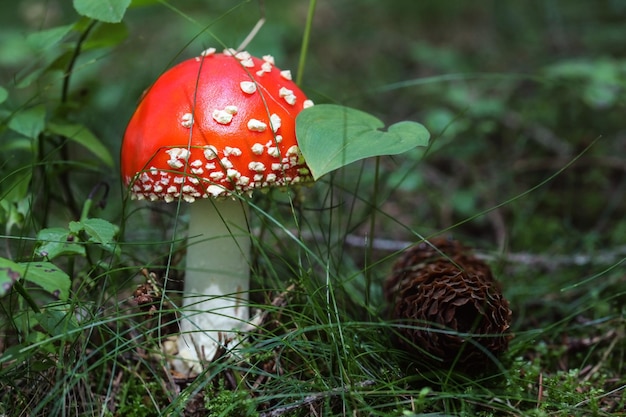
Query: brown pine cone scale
[{"x": 447, "y": 302}]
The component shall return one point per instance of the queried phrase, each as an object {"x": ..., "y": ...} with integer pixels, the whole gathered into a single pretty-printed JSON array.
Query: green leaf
[
  {"x": 4, "y": 94},
  {"x": 10, "y": 272},
  {"x": 29, "y": 122},
  {"x": 13, "y": 354},
  {"x": 56, "y": 241},
  {"x": 332, "y": 136},
  {"x": 15, "y": 196},
  {"x": 43, "y": 274},
  {"x": 59, "y": 320},
  {"x": 98, "y": 230},
  {"x": 49, "y": 277},
  {"x": 16, "y": 144},
  {"x": 106, "y": 35},
  {"x": 84, "y": 137},
  {"x": 45, "y": 39},
  {"x": 110, "y": 11},
  {"x": 14, "y": 211}
]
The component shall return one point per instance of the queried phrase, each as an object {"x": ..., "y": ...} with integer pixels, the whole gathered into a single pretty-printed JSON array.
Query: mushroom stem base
[{"x": 216, "y": 281}]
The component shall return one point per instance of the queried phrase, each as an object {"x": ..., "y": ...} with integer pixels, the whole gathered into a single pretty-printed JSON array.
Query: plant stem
[
  {"x": 305, "y": 41},
  {"x": 24, "y": 293},
  {"x": 372, "y": 231},
  {"x": 64, "y": 177}
]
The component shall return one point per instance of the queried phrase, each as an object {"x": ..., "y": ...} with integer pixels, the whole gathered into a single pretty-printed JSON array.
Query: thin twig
[
  {"x": 616, "y": 337},
  {"x": 260, "y": 319},
  {"x": 547, "y": 261},
  {"x": 310, "y": 399},
  {"x": 64, "y": 176}
]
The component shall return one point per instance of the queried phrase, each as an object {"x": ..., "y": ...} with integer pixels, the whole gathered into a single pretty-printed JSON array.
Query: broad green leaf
[
  {"x": 29, "y": 122},
  {"x": 84, "y": 137},
  {"x": 4, "y": 94},
  {"x": 98, "y": 230},
  {"x": 49, "y": 277},
  {"x": 45, "y": 39},
  {"x": 28, "y": 76},
  {"x": 110, "y": 11},
  {"x": 332, "y": 136},
  {"x": 16, "y": 144},
  {"x": 10, "y": 272},
  {"x": 14, "y": 186},
  {"x": 56, "y": 241}
]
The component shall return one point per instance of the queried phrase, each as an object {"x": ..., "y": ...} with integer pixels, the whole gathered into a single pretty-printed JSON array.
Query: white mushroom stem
[{"x": 216, "y": 280}]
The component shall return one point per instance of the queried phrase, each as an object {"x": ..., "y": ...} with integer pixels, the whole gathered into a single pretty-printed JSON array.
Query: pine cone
[{"x": 449, "y": 296}]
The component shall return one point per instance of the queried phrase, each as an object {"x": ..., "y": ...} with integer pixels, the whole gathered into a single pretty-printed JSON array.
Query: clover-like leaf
[
  {"x": 332, "y": 136},
  {"x": 111, "y": 11}
]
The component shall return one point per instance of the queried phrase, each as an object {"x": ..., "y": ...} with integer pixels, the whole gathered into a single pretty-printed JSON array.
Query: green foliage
[
  {"x": 54, "y": 249},
  {"x": 602, "y": 81},
  {"x": 44, "y": 274},
  {"x": 332, "y": 137},
  {"x": 82, "y": 135},
  {"x": 230, "y": 404},
  {"x": 111, "y": 11},
  {"x": 565, "y": 392},
  {"x": 136, "y": 399},
  {"x": 57, "y": 241}
]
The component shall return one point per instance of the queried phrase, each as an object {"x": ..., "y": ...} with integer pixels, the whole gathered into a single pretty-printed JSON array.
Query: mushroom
[{"x": 209, "y": 131}]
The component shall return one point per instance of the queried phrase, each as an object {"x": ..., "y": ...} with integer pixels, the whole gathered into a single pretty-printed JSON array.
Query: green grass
[{"x": 526, "y": 164}]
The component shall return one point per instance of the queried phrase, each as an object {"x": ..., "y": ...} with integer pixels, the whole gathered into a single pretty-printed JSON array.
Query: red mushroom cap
[{"x": 213, "y": 125}]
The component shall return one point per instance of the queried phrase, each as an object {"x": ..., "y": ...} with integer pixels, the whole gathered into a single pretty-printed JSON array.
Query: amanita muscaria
[
  {"x": 211, "y": 130},
  {"x": 443, "y": 296}
]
